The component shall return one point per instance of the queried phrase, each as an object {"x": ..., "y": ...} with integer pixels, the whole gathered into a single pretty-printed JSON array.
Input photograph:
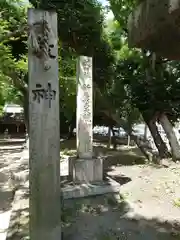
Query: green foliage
[
  {"x": 80, "y": 28},
  {"x": 12, "y": 66},
  {"x": 150, "y": 89},
  {"x": 67, "y": 75},
  {"x": 121, "y": 10},
  {"x": 125, "y": 77},
  {"x": 79, "y": 23},
  {"x": 118, "y": 94}
]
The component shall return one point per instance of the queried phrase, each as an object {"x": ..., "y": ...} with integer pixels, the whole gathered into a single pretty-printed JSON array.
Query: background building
[{"x": 12, "y": 120}]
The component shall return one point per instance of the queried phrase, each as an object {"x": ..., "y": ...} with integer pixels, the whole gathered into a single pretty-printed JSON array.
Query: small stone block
[{"x": 86, "y": 170}]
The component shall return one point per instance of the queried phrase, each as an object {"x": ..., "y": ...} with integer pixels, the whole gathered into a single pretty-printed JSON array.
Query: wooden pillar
[{"x": 44, "y": 139}]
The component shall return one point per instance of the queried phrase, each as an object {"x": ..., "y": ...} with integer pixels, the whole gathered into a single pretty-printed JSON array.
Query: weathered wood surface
[
  {"x": 84, "y": 108},
  {"x": 154, "y": 25},
  {"x": 44, "y": 140}
]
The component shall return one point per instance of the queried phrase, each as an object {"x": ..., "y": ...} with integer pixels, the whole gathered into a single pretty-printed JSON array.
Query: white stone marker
[
  {"x": 84, "y": 108},
  {"x": 44, "y": 139},
  {"x": 85, "y": 168}
]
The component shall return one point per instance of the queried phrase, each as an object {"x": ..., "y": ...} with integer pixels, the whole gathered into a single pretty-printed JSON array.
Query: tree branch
[
  {"x": 121, "y": 123},
  {"x": 15, "y": 33}
]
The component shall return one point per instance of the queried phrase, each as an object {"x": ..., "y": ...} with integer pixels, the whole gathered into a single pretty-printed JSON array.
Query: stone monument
[
  {"x": 44, "y": 139},
  {"x": 85, "y": 167}
]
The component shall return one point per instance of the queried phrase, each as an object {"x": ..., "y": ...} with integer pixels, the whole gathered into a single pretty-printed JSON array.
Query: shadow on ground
[
  {"x": 125, "y": 156},
  {"x": 106, "y": 218},
  {"x": 6, "y": 195},
  {"x": 99, "y": 218},
  {"x": 120, "y": 157},
  {"x": 19, "y": 222}
]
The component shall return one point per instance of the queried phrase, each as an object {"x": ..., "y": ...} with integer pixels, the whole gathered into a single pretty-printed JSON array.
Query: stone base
[
  {"x": 70, "y": 191},
  {"x": 85, "y": 170}
]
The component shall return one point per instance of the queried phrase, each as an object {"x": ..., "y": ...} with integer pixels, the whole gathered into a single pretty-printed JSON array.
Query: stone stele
[
  {"x": 155, "y": 25},
  {"x": 85, "y": 168}
]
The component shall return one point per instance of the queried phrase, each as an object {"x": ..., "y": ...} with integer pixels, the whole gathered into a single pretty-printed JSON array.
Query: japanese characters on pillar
[
  {"x": 44, "y": 146},
  {"x": 84, "y": 108},
  {"x": 44, "y": 94}
]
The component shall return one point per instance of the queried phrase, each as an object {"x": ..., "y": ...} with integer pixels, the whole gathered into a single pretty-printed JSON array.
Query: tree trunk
[
  {"x": 70, "y": 133},
  {"x": 114, "y": 140},
  {"x": 122, "y": 123},
  {"x": 161, "y": 146},
  {"x": 145, "y": 132},
  {"x": 168, "y": 128},
  {"x": 128, "y": 140},
  {"x": 72, "y": 126},
  {"x": 109, "y": 138},
  {"x": 138, "y": 142}
]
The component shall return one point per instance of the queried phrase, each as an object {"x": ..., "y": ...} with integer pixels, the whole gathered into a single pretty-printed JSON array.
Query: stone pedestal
[{"x": 86, "y": 170}]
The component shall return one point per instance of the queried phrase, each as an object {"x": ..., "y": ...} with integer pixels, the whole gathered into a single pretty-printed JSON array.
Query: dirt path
[
  {"x": 7, "y": 159},
  {"x": 146, "y": 208},
  {"x": 149, "y": 206},
  {"x": 146, "y": 211},
  {"x": 154, "y": 190}
]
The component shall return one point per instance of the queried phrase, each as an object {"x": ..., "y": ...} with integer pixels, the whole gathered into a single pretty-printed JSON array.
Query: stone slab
[
  {"x": 154, "y": 25},
  {"x": 88, "y": 189},
  {"x": 86, "y": 170}
]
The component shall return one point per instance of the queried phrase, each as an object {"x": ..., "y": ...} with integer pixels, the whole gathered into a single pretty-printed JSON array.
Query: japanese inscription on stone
[
  {"x": 85, "y": 107},
  {"x": 41, "y": 41},
  {"x": 87, "y": 71},
  {"x": 44, "y": 129},
  {"x": 87, "y": 66},
  {"x": 86, "y": 101},
  {"x": 44, "y": 94}
]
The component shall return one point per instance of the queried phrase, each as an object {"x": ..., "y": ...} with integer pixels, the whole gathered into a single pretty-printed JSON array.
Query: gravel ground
[
  {"x": 8, "y": 158},
  {"x": 146, "y": 208},
  {"x": 153, "y": 188}
]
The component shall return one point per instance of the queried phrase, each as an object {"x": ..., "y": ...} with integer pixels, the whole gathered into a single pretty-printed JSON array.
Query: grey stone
[
  {"x": 86, "y": 170},
  {"x": 84, "y": 108},
  {"x": 44, "y": 145},
  {"x": 90, "y": 189}
]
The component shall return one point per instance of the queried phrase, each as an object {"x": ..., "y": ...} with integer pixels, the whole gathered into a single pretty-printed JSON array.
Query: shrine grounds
[{"x": 147, "y": 207}]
